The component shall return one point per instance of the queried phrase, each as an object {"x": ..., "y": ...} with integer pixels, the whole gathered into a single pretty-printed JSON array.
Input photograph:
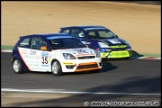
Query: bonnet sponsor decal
[
  {"x": 114, "y": 41},
  {"x": 81, "y": 51}
]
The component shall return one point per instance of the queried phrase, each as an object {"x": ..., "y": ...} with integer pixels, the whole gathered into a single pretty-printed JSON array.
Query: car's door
[
  {"x": 35, "y": 58},
  {"x": 40, "y": 57}
]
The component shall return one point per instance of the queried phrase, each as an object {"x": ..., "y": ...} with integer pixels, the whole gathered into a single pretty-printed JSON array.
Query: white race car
[{"x": 56, "y": 53}]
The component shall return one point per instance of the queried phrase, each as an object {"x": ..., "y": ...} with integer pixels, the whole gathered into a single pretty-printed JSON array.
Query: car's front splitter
[{"x": 115, "y": 54}]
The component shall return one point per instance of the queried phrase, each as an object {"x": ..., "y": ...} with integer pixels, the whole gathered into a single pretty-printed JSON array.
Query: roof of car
[
  {"x": 86, "y": 27},
  {"x": 47, "y": 35}
]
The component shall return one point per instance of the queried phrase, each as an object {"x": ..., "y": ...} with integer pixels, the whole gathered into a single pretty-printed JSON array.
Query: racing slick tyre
[
  {"x": 17, "y": 66},
  {"x": 56, "y": 68}
]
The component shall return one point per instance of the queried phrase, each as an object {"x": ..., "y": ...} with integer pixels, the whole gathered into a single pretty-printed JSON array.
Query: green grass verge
[
  {"x": 6, "y": 47},
  {"x": 152, "y": 55}
]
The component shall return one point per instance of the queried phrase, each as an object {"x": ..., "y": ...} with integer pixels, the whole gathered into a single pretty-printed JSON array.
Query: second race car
[{"x": 101, "y": 39}]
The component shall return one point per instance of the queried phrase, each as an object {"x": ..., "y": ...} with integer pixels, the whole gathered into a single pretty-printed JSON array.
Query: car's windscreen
[
  {"x": 66, "y": 43},
  {"x": 100, "y": 34}
]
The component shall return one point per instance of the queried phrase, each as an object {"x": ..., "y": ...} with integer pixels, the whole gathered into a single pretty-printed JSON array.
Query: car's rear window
[{"x": 24, "y": 43}]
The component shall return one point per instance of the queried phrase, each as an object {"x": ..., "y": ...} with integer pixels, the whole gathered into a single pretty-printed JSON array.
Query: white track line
[
  {"x": 147, "y": 57},
  {"x": 72, "y": 92},
  {"x": 6, "y": 50}
]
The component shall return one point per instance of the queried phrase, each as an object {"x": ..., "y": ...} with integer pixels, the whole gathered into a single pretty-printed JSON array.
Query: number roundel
[{"x": 45, "y": 61}]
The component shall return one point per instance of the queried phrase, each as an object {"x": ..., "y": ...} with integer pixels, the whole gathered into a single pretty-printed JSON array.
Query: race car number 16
[{"x": 45, "y": 61}]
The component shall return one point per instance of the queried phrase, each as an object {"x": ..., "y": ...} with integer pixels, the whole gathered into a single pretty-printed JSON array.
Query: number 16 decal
[{"x": 45, "y": 61}]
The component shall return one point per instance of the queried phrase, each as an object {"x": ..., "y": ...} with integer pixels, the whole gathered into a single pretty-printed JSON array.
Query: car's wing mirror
[{"x": 44, "y": 48}]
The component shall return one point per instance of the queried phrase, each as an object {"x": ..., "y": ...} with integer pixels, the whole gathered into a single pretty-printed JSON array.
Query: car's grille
[
  {"x": 87, "y": 66},
  {"x": 118, "y": 49},
  {"x": 86, "y": 57},
  {"x": 118, "y": 46}
]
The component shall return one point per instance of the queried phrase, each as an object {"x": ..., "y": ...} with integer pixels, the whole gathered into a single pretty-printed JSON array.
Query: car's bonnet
[
  {"x": 115, "y": 41},
  {"x": 79, "y": 51}
]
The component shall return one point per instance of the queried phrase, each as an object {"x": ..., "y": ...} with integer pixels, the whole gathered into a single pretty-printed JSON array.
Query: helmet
[{"x": 81, "y": 35}]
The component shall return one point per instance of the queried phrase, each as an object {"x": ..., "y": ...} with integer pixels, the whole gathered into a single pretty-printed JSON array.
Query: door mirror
[{"x": 44, "y": 48}]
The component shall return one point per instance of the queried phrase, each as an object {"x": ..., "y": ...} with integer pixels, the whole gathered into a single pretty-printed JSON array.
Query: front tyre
[
  {"x": 56, "y": 68},
  {"x": 17, "y": 66}
]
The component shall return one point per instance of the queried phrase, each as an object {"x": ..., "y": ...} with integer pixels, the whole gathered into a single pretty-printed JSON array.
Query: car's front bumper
[
  {"x": 81, "y": 65},
  {"x": 116, "y": 54}
]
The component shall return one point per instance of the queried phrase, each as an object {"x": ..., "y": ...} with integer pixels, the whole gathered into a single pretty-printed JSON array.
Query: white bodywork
[{"x": 38, "y": 60}]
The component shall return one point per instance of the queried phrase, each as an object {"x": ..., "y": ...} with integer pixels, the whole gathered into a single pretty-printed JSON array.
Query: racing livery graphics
[
  {"x": 56, "y": 53},
  {"x": 101, "y": 39}
]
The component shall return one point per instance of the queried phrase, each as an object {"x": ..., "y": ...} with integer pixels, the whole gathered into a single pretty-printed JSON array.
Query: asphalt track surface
[{"x": 117, "y": 76}]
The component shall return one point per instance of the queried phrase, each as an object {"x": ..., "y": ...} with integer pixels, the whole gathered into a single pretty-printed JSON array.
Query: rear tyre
[
  {"x": 56, "y": 68},
  {"x": 17, "y": 66}
]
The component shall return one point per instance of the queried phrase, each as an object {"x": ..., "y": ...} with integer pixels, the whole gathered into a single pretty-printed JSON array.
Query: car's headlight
[
  {"x": 128, "y": 45},
  {"x": 103, "y": 45},
  {"x": 97, "y": 53},
  {"x": 68, "y": 56}
]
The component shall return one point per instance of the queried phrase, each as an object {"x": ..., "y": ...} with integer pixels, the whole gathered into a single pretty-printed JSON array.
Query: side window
[
  {"x": 66, "y": 31},
  {"x": 75, "y": 32},
  {"x": 24, "y": 43},
  {"x": 92, "y": 35},
  {"x": 103, "y": 34},
  {"x": 79, "y": 34},
  {"x": 37, "y": 43}
]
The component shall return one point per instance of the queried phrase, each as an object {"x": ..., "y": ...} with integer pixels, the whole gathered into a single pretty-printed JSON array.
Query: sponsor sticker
[
  {"x": 67, "y": 63},
  {"x": 114, "y": 41},
  {"x": 44, "y": 54},
  {"x": 32, "y": 52},
  {"x": 81, "y": 51}
]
